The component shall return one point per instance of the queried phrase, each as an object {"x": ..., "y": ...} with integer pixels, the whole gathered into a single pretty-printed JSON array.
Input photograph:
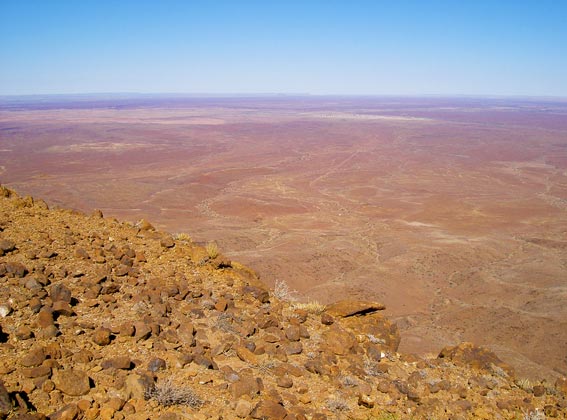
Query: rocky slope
[{"x": 107, "y": 320}]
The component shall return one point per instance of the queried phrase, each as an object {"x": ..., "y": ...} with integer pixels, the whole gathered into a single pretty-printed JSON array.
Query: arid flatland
[{"x": 453, "y": 212}]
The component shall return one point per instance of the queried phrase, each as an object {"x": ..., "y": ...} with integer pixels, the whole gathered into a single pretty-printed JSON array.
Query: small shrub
[
  {"x": 283, "y": 292},
  {"x": 224, "y": 322},
  {"x": 167, "y": 393},
  {"x": 348, "y": 381},
  {"x": 337, "y": 405},
  {"x": 266, "y": 368},
  {"x": 375, "y": 340},
  {"x": 537, "y": 414},
  {"x": 212, "y": 250},
  {"x": 371, "y": 368}
]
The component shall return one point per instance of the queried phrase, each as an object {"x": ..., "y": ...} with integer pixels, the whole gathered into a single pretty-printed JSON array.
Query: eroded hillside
[{"x": 102, "y": 319}]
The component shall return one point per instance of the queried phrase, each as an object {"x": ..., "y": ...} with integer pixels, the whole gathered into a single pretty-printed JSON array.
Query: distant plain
[{"x": 451, "y": 211}]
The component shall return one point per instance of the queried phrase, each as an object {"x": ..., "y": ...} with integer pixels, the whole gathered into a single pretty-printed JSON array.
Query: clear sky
[{"x": 478, "y": 47}]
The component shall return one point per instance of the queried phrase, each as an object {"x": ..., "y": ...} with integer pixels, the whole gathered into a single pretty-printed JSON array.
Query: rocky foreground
[{"x": 107, "y": 320}]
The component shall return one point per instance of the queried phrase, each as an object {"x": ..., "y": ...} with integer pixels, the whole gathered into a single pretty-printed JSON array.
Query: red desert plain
[{"x": 450, "y": 211}]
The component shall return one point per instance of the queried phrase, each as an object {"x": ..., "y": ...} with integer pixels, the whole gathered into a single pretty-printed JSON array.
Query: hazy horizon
[{"x": 221, "y": 95}]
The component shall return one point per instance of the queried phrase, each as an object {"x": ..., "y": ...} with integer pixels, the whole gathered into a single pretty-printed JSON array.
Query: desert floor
[{"x": 453, "y": 212}]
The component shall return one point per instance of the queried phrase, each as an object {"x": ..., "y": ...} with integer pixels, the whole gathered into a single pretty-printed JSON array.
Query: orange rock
[
  {"x": 346, "y": 308},
  {"x": 468, "y": 354}
]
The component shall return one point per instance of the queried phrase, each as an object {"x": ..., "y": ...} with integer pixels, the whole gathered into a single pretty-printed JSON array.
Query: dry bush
[
  {"x": 337, "y": 405},
  {"x": 283, "y": 292},
  {"x": 537, "y": 414},
  {"x": 267, "y": 367},
  {"x": 348, "y": 381},
  {"x": 371, "y": 368},
  {"x": 168, "y": 393},
  {"x": 224, "y": 322}
]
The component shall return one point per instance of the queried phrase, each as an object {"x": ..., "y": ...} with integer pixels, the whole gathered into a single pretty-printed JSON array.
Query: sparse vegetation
[
  {"x": 312, "y": 307},
  {"x": 537, "y": 414},
  {"x": 348, "y": 381},
  {"x": 375, "y": 340},
  {"x": 212, "y": 250},
  {"x": 267, "y": 367},
  {"x": 168, "y": 393},
  {"x": 224, "y": 322},
  {"x": 283, "y": 292},
  {"x": 524, "y": 384},
  {"x": 337, "y": 405},
  {"x": 182, "y": 237},
  {"x": 371, "y": 368}
]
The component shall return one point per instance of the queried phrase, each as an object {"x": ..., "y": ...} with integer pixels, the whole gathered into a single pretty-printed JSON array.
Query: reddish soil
[{"x": 453, "y": 212}]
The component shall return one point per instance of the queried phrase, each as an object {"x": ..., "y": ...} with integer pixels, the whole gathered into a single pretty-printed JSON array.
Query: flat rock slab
[{"x": 346, "y": 308}]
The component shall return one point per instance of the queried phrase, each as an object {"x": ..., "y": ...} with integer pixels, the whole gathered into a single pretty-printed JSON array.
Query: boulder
[
  {"x": 137, "y": 386},
  {"x": 245, "y": 385},
  {"x": 60, "y": 292},
  {"x": 72, "y": 382},
  {"x": 476, "y": 357},
  {"x": 102, "y": 336},
  {"x": 338, "y": 340},
  {"x": 6, "y": 246},
  {"x": 259, "y": 293},
  {"x": 269, "y": 410}
]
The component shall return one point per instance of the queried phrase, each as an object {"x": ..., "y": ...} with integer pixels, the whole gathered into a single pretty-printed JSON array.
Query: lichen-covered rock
[{"x": 72, "y": 382}]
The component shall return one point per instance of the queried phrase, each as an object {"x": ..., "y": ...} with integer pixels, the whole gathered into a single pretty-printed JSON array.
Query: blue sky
[{"x": 444, "y": 47}]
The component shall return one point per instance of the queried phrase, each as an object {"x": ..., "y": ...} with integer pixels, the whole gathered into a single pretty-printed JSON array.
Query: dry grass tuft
[
  {"x": 212, "y": 250},
  {"x": 184, "y": 237},
  {"x": 168, "y": 393},
  {"x": 312, "y": 307},
  {"x": 524, "y": 384}
]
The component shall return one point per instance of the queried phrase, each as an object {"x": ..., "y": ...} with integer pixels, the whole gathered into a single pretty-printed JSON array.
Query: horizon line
[{"x": 277, "y": 94}]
